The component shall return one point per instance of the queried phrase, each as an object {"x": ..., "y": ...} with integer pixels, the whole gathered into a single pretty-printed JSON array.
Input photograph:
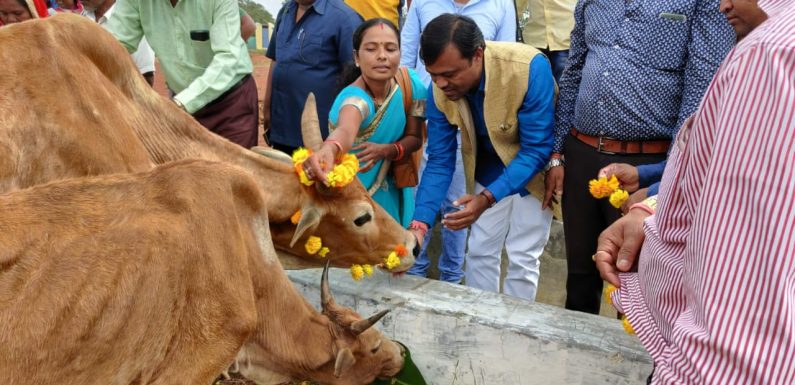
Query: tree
[{"x": 256, "y": 11}]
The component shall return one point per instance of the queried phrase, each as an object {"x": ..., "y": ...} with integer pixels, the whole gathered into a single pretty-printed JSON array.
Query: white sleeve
[{"x": 144, "y": 57}]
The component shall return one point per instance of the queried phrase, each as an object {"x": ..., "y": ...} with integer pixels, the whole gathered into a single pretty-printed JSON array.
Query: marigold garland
[
  {"x": 341, "y": 175},
  {"x": 608, "y": 292},
  {"x": 401, "y": 251},
  {"x": 323, "y": 252},
  {"x": 392, "y": 261},
  {"x": 357, "y": 272},
  {"x": 313, "y": 245},
  {"x": 368, "y": 270},
  {"x": 627, "y": 326}
]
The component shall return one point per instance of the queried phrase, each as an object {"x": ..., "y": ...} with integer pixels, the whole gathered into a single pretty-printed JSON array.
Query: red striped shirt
[{"x": 713, "y": 300}]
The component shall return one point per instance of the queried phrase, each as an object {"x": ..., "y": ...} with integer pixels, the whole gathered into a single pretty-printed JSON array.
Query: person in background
[
  {"x": 705, "y": 270},
  {"x": 203, "y": 57},
  {"x": 547, "y": 25},
  {"x": 101, "y": 11},
  {"x": 369, "y": 119},
  {"x": 387, "y": 9},
  {"x": 506, "y": 137},
  {"x": 644, "y": 180},
  {"x": 495, "y": 19},
  {"x": 636, "y": 71},
  {"x": 247, "y": 25},
  {"x": 73, "y": 6},
  {"x": 309, "y": 47},
  {"x": 15, "y": 11}
]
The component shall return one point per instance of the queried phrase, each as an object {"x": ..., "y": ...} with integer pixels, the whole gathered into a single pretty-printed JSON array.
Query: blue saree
[{"x": 383, "y": 126}]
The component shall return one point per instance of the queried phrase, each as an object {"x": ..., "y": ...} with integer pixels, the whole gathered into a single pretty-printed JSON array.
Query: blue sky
[{"x": 271, "y": 5}]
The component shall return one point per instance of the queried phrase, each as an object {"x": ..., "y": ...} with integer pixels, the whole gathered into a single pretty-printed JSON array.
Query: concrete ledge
[{"x": 459, "y": 335}]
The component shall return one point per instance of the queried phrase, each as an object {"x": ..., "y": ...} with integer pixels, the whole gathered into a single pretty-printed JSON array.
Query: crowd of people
[{"x": 506, "y": 110}]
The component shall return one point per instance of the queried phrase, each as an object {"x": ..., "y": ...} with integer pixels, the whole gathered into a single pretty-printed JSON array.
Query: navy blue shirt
[
  {"x": 637, "y": 69},
  {"x": 536, "y": 120},
  {"x": 308, "y": 57}
]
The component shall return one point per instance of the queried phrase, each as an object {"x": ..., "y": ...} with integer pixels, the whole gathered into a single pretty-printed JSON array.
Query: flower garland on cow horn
[
  {"x": 604, "y": 188},
  {"x": 341, "y": 175},
  {"x": 314, "y": 246}
]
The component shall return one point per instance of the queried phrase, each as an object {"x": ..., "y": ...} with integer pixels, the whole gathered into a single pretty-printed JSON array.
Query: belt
[
  {"x": 234, "y": 87},
  {"x": 608, "y": 145}
]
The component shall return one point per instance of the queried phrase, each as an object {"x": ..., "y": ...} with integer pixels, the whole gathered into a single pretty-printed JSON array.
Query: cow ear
[
  {"x": 345, "y": 360},
  {"x": 310, "y": 124},
  {"x": 310, "y": 217}
]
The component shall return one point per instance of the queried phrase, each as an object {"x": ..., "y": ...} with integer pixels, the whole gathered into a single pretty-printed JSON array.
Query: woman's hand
[
  {"x": 320, "y": 163},
  {"x": 373, "y": 152}
]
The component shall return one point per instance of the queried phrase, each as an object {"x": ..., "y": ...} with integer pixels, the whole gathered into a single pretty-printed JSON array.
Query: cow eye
[
  {"x": 377, "y": 346},
  {"x": 362, "y": 220}
]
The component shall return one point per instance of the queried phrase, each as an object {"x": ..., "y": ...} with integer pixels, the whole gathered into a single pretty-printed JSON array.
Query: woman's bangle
[
  {"x": 648, "y": 205},
  {"x": 400, "y": 151},
  {"x": 337, "y": 143},
  {"x": 419, "y": 226}
]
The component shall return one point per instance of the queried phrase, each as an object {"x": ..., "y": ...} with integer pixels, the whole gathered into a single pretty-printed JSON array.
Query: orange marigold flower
[
  {"x": 296, "y": 217},
  {"x": 603, "y": 187},
  {"x": 401, "y": 251},
  {"x": 313, "y": 245}
]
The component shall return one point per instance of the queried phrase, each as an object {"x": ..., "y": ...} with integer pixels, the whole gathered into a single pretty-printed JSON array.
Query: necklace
[{"x": 372, "y": 94}]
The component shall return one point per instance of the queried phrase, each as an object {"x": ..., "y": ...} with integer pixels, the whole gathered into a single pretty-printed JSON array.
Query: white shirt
[{"x": 144, "y": 57}]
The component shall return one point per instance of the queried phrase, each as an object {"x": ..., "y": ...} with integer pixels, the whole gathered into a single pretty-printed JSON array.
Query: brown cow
[
  {"x": 164, "y": 277},
  {"x": 78, "y": 107}
]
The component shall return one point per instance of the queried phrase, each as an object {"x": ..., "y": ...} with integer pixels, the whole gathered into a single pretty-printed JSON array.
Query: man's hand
[
  {"x": 475, "y": 205},
  {"x": 370, "y": 153},
  {"x": 636, "y": 197},
  {"x": 618, "y": 246},
  {"x": 553, "y": 182},
  {"x": 626, "y": 174},
  {"x": 266, "y": 118}
]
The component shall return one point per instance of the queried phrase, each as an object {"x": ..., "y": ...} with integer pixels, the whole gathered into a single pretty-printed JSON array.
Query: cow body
[
  {"x": 78, "y": 107},
  {"x": 159, "y": 278}
]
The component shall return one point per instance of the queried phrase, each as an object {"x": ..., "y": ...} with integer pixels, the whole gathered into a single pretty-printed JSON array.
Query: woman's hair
[
  {"x": 460, "y": 31},
  {"x": 351, "y": 72}
]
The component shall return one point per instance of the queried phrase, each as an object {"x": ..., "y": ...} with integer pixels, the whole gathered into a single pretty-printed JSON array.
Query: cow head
[
  {"x": 355, "y": 353},
  {"x": 353, "y": 226}
]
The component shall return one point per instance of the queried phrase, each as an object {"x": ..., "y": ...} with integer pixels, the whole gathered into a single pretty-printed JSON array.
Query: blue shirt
[
  {"x": 308, "y": 57},
  {"x": 536, "y": 120},
  {"x": 649, "y": 175},
  {"x": 495, "y": 18},
  {"x": 637, "y": 69}
]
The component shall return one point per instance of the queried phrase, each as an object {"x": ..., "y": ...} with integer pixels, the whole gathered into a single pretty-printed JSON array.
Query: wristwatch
[{"x": 554, "y": 162}]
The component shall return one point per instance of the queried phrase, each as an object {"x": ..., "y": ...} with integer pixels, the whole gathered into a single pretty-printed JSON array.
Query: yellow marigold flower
[
  {"x": 609, "y": 289},
  {"x": 357, "y": 272},
  {"x": 368, "y": 270},
  {"x": 304, "y": 179},
  {"x": 313, "y": 245},
  {"x": 300, "y": 155},
  {"x": 618, "y": 198},
  {"x": 323, "y": 251},
  {"x": 351, "y": 161},
  {"x": 296, "y": 217},
  {"x": 627, "y": 327},
  {"x": 603, "y": 187},
  {"x": 392, "y": 261}
]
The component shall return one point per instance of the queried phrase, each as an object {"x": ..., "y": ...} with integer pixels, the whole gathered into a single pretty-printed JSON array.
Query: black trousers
[{"x": 585, "y": 217}]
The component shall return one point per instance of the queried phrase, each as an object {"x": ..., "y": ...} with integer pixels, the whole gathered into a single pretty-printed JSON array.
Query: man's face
[
  {"x": 92, "y": 5},
  {"x": 455, "y": 75},
  {"x": 12, "y": 12},
  {"x": 743, "y": 15}
]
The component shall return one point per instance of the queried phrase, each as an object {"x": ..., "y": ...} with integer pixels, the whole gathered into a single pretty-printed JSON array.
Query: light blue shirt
[{"x": 495, "y": 18}]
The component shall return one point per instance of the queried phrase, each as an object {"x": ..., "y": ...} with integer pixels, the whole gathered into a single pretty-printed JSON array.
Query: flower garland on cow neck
[
  {"x": 341, "y": 175},
  {"x": 314, "y": 245},
  {"x": 604, "y": 188}
]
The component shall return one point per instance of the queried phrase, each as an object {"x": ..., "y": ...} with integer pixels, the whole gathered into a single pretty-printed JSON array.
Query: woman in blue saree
[{"x": 369, "y": 119}]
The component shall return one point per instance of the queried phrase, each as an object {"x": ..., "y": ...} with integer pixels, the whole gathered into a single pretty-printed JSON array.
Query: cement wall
[{"x": 459, "y": 335}]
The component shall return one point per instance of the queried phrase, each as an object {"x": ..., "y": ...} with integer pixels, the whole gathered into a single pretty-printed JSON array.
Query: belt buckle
[{"x": 600, "y": 146}]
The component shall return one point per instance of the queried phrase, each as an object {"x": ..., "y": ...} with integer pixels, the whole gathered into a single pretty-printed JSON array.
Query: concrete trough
[{"x": 458, "y": 335}]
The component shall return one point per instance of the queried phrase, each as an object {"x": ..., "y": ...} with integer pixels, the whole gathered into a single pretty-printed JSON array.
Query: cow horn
[
  {"x": 273, "y": 154},
  {"x": 361, "y": 325},
  {"x": 325, "y": 292},
  {"x": 310, "y": 124},
  {"x": 310, "y": 217}
]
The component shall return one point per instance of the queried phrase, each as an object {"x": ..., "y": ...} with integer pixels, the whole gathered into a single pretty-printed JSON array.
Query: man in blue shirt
[
  {"x": 311, "y": 43},
  {"x": 506, "y": 139},
  {"x": 636, "y": 71},
  {"x": 496, "y": 20}
]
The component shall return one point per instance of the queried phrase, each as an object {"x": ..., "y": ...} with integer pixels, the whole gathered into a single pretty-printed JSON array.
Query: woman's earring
[{"x": 357, "y": 65}]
